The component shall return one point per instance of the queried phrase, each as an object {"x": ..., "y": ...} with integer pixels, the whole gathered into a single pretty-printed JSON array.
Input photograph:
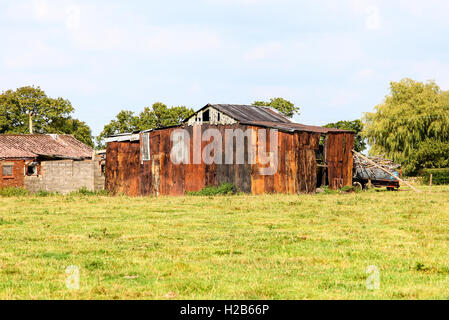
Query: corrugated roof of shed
[
  {"x": 31, "y": 146},
  {"x": 293, "y": 127},
  {"x": 266, "y": 117},
  {"x": 242, "y": 112}
]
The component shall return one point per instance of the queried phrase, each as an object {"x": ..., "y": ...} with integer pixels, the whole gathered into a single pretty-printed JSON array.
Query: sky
[{"x": 334, "y": 59}]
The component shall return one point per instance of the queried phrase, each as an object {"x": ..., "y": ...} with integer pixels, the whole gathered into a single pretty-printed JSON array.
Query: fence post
[{"x": 431, "y": 179}]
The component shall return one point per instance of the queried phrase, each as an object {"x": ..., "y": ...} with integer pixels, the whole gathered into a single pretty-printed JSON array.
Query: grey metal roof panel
[
  {"x": 266, "y": 117},
  {"x": 293, "y": 127},
  {"x": 250, "y": 113}
]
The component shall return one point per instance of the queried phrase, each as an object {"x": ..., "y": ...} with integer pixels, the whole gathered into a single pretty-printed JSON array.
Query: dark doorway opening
[{"x": 206, "y": 116}]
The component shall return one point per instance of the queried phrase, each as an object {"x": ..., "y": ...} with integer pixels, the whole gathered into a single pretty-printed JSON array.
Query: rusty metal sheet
[
  {"x": 297, "y": 169},
  {"x": 123, "y": 167},
  {"x": 340, "y": 159}
]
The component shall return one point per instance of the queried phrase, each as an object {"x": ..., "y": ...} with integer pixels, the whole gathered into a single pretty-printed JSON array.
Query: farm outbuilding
[
  {"x": 239, "y": 139},
  {"x": 48, "y": 162}
]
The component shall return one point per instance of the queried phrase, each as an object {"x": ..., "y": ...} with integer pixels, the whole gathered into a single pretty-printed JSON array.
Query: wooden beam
[{"x": 385, "y": 170}]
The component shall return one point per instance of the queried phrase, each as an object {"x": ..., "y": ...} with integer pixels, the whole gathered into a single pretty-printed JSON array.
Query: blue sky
[{"x": 334, "y": 59}]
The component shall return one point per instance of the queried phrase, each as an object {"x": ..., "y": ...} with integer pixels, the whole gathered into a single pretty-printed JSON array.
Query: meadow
[{"x": 226, "y": 247}]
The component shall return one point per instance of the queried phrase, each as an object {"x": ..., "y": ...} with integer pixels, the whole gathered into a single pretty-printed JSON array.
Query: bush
[
  {"x": 86, "y": 192},
  {"x": 13, "y": 192},
  {"x": 431, "y": 154},
  {"x": 350, "y": 189},
  {"x": 328, "y": 190},
  {"x": 439, "y": 176},
  {"x": 223, "y": 190},
  {"x": 43, "y": 193}
]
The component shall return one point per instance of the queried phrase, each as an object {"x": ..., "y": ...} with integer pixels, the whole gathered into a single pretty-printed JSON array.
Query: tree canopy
[
  {"x": 284, "y": 106},
  {"x": 357, "y": 127},
  {"x": 49, "y": 115},
  {"x": 156, "y": 116},
  {"x": 411, "y": 126}
]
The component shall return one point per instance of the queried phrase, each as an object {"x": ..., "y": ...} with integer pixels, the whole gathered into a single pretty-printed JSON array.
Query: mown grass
[{"x": 235, "y": 247}]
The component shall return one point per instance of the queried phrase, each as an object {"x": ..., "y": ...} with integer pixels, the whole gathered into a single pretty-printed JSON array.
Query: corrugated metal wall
[
  {"x": 340, "y": 159},
  {"x": 123, "y": 168},
  {"x": 297, "y": 168}
]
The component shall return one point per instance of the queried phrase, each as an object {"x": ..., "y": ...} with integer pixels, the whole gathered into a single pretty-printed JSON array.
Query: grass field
[{"x": 237, "y": 247}]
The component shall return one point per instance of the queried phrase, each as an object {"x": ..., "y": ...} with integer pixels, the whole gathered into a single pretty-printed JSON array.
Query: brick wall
[
  {"x": 66, "y": 176},
  {"x": 18, "y": 171}
]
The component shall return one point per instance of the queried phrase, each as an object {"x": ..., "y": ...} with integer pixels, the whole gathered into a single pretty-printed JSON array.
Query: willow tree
[{"x": 413, "y": 115}]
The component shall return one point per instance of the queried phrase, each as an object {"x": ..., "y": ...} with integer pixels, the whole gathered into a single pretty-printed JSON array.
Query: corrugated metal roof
[
  {"x": 124, "y": 137},
  {"x": 293, "y": 127},
  {"x": 32, "y": 146},
  {"x": 250, "y": 115},
  {"x": 242, "y": 112},
  {"x": 133, "y": 136},
  {"x": 266, "y": 117}
]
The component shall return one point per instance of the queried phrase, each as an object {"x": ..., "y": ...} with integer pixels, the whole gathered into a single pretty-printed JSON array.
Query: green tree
[
  {"x": 49, "y": 115},
  {"x": 124, "y": 122},
  {"x": 357, "y": 127},
  {"x": 284, "y": 106},
  {"x": 429, "y": 154},
  {"x": 156, "y": 116},
  {"x": 413, "y": 119},
  {"x": 160, "y": 116}
]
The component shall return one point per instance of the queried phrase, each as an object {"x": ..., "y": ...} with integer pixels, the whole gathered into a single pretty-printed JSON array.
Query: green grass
[
  {"x": 225, "y": 189},
  {"x": 227, "y": 247}
]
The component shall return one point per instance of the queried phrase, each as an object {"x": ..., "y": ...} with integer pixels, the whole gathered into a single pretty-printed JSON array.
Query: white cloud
[
  {"x": 430, "y": 8},
  {"x": 144, "y": 39},
  {"x": 265, "y": 92},
  {"x": 41, "y": 9},
  {"x": 36, "y": 10},
  {"x": 343, "y": 98},
  {"x": 96, "y": 37},
  {"x": 36, "y": 54},
  {"x": 91, "y": 27},
  {"x": 365, "y": 74},
  {"x": 242, "y": 2},
  {"x": 265, "y": 51},
  {"x": 314, "y": 53},
  {"x": 424, "y": 70},
  {"x": 59, "y": 33},
  {"x": 331, "y": 50},
  {"x": 318, "y": 104},
  {"x": 180, "y": 39}
]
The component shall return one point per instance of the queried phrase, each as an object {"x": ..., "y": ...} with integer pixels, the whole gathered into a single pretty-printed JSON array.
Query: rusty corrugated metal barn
[{"x": 139, "y": 164}]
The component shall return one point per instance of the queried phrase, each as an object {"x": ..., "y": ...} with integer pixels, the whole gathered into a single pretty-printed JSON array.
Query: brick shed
[
  {"x": 301, "y": 157},
  {"x": 54, "y": 163}
]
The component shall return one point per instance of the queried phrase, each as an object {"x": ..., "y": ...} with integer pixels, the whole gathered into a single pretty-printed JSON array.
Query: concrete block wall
[{"x": 66, "y": 176}]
